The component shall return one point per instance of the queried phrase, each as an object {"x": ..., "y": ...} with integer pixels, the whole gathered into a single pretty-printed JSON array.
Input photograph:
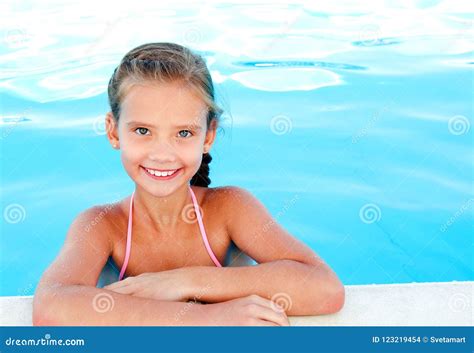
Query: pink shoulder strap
[
  {"x": 201, "y": 227},
  {"x": 129, "y": 238},
  {"x": 203, "y": 231}
]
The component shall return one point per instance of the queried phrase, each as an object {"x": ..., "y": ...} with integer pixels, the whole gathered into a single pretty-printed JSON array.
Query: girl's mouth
[{"x": 161, "y": 174}]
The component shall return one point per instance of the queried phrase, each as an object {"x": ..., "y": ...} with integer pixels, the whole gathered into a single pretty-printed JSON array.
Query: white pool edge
[{"x": 400, "y": 304}]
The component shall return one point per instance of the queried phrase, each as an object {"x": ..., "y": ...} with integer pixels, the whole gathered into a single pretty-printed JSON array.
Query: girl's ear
[
  {"x": 112, "y": 130},
  {"x": 210, "y": 136}
]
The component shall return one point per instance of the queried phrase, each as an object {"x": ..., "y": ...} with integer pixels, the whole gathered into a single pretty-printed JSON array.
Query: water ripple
[
  {"x": 14, "y": 119},
  {"x": 376, "y": 42},
  {"x": 295, "y": 63}
]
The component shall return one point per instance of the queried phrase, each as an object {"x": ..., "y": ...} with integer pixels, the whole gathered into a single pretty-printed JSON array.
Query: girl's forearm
[
  {"x": 90, "y": 306},
  {"x": 302, "y": 289}
]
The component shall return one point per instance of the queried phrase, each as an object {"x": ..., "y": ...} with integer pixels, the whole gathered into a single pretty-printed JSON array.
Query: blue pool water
[{"x": 352, "y": 124}]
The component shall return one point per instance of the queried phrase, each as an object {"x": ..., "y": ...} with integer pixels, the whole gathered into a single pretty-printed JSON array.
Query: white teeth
[{"x": 158, "y": 173}]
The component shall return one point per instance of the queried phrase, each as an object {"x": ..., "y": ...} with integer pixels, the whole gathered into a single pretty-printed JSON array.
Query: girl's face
[{"x": 162, "y": 127}]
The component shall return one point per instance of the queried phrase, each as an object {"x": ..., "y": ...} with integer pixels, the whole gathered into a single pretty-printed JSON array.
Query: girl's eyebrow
[{"x": 188, "y": 126}]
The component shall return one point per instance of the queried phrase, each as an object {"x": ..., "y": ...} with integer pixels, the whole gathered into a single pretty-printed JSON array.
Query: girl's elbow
[
  {"x": 336, "y": 295},
  {"x": 42, "y": 313},
  {"x": 337, "y": 300},
  {"x": 332, "y": 300},
  {"x": 39, "y": 312}
]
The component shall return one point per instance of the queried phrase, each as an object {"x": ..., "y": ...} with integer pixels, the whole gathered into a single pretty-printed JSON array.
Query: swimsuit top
[{"x": 201, "y": 227}]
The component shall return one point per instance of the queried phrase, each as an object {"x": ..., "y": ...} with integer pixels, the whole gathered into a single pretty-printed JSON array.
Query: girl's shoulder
[
  {"x": 224, "y": 200},
  {"x": 215, "y": 196},
  {"x": 114, "y": 215},
  {"x": 220, "y": 194},
  {"x": 106, "y": 216}
]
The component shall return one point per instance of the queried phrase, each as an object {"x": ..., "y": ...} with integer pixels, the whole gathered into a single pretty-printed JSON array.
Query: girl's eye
[
  {"x": 141, "y": 131},
  {"x": 186, "y": 132}
]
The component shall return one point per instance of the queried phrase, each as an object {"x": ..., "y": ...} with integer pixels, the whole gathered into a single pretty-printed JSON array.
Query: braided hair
[{"x": 201, "y": 178}]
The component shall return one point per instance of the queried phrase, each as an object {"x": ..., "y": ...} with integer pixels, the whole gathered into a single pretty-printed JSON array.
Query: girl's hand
[
  {"x": 169, "y": 285},
  {"x": 252, "y": 310}
]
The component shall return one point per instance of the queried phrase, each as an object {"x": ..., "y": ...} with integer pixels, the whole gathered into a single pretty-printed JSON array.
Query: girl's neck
[{"x": 162, "y": 214}]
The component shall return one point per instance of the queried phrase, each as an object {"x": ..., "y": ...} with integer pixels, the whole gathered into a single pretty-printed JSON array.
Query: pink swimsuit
[{"x": 201, "y": 227}]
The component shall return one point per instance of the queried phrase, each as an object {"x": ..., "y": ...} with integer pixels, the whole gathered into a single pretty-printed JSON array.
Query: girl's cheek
[{"x": 191, "y": 153}]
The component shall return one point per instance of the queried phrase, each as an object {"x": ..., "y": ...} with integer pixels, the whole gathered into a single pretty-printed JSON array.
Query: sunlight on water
[{"x": 350, "y": 121}]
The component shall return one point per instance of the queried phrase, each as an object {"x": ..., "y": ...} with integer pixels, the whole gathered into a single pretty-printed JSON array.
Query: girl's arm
[
  {"x": 288, "y": 272},
  {"x": 66, "y": 294},
  {"x": 77, "y": 305}
]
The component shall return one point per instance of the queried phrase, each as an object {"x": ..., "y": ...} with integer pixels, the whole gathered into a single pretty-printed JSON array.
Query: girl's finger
[
  {"x": 271, "y": 315},
  {"x": 259, "y": 322},
  {"x": 269, "y": 304},
  {"x": 266, "y": 323},
  {"x": 119, "y": 284},
  {"x": 123, "y": 290},
  {"x": 114, "y": 286}
]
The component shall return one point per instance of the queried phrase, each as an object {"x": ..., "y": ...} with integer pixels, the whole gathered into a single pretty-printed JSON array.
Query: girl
[{"x": 171, "y": 236}]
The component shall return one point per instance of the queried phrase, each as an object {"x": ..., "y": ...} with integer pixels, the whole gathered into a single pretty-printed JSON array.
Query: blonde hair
[{"x": 166, "y": 62}]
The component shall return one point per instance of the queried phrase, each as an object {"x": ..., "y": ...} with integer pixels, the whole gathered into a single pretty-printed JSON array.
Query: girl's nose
[{"x": 162, "y": 151}]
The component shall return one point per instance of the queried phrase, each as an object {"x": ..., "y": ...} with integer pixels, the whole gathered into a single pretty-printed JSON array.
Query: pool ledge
[{"x": 410, "y": 304}]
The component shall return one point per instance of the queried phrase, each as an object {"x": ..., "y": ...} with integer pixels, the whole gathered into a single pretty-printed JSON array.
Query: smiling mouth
[{"x": 161, "y": 173}]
